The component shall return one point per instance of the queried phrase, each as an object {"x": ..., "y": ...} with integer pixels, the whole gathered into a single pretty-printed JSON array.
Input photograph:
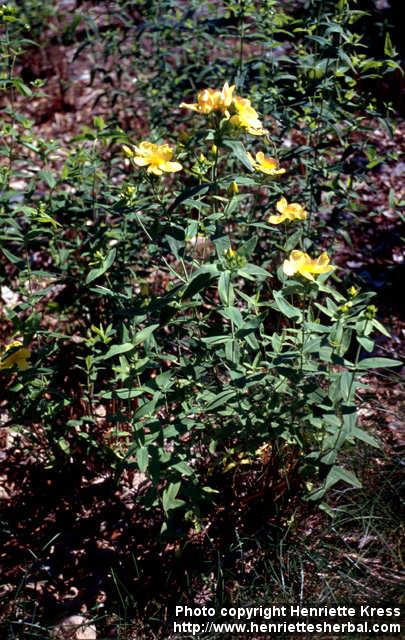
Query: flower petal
[
  {"x": 193, "y": 107},
  {"x": 154, "y": 169},
  {"x": 304, "y": 272},
  {"x": 274, "y": 219},
  {"x": 170, "y": 166},
  {"x": 299, "y": 256},
  {"x": 289, "y": 267},
  {"x": 140, "y": 161}
]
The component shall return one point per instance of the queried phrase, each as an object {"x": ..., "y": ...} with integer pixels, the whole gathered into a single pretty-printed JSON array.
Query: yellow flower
[
  {"x": 156, "y": 157},
  {"x": 300, "y": 262},
  {"x": 246, "y": 117},
  {"x": 209, "y": 100},
  {"x": 292, "y": 211},
  {"x": 238, "y": 110},
  {"x": 18, "y": 357},
  {"x": 265, "y": 164}
]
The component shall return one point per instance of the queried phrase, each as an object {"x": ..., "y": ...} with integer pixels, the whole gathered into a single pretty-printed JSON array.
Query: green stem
[{"x": 172, "y": 271}]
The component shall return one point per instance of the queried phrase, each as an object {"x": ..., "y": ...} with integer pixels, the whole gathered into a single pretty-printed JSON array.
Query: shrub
[{"x": 196, "y": 321}]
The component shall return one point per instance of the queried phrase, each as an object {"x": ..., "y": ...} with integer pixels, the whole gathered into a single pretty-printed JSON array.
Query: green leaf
[
  {"x": 324, "y": 310},
  {"x": 233, "y": 314},
  {"x": 225, "y": 289},
  {"x": 64, "y": 445},
  {"x": 327, "y": 509},
  {"x": 336, "y": 474},
  {"x": 285, "y": 307},
  {"x": 220, "y": 399},
  {"x": 147, "y": 408},
  {"x": 376, "y": 363},
  {"x": 360, "y": 434},
  {"x": 164, "y": 380},
  {"x": 176, "y": 244},
  {"x": 210, "y": 490},
  {"x": 118, "y": 349},
  {"x": 380, "y": 327},
  {"x": 293, "y": 240},
  {"x": 200, "y": 189},
  {"x": 183, "y": 468},
  {"x": 22, "y": 87},
  {"x": 142, "y": 458},
  {"x": 239, "y": 152},
  {"x": 10, "y": 256},
  {"x": 123, "y": 394},
  {"x": 346, "y": 385},
  {"x": 48, "y": 177},
  {"x": 232, "y": 351},
  {"x": 388, "y": 48},
  {"x": 169, "y": 499},
  {"x": 214, "y": 340},
  {"x": 198, "y": 283},
  {"x": 144, "y": 334},
  {"x": 246, "y": 249},
  {"x": 366, "y": 343},
  {"x": 96, "y": 273},
  {"x": 249, "y": 270}
]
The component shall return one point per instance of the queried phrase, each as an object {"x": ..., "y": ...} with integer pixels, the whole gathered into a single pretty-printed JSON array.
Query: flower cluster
[
  {"x": 158, "y": 159},
  {"x": 237, "y": 110},
  {"x": 209, "y": 100},
  {"x": 246, "y": 117}
]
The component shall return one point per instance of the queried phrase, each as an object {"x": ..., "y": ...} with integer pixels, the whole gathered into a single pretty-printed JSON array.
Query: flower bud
[
  {"x": 128, "y": 152},
  {"x": 371, "y": 312},
  {"x": 214, "y": 149},
  {"x": 353, "y": 291},
  {"x": 233, "y": 188},
  {"x": 144, "y": 290},
  {"x": 184, "y": 136}
]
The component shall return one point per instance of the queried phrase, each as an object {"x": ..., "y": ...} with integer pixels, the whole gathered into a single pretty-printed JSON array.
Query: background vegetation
[{"x": 183, "y": 419}]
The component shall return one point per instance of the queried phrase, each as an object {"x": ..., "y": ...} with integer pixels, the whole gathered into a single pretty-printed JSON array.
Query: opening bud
[{"x": 233, "y": 188}]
